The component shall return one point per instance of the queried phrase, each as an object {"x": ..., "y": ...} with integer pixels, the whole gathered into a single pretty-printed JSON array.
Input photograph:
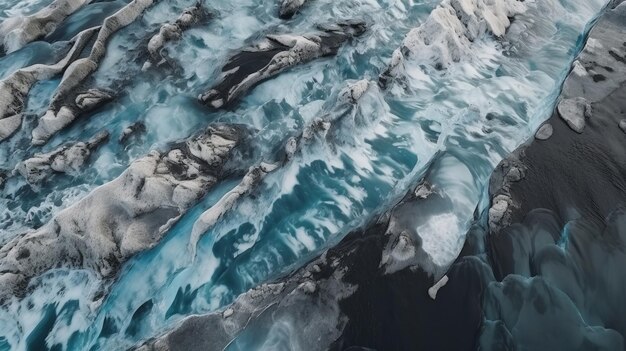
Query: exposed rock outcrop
[{"x": 544, "y": 132}]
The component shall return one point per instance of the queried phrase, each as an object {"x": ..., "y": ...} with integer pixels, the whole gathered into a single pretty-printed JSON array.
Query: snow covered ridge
[
  {"x": 319, "y": 129},
  {"x": 446, "y": 36},
  {"x": 547, "y": 289},
  {"x": 67, "y": 159},
  {"x": 173, "y": 31},
  {"x": 15, "y": 88},
  {"x": 123, "y": 217},
  {"x": 67, "y": 102},
  {"x": 18, "y": 31},
  {"x": 273, "y": 55}
]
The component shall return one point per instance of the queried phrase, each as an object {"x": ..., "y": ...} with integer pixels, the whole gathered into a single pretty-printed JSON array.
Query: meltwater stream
[{"x": 477, "y": 110}]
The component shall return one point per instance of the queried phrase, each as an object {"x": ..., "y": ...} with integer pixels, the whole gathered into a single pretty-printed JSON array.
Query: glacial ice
[
  {"x": 15, "y": 32},
  {"x": 497, "y": 84}
]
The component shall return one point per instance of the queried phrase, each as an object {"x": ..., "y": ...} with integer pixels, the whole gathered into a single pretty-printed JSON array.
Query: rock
[
  {"x": 423, "y": 190},
  {"x": 622, "y": 125},
  {"x": 228, "y": 312},
  {"x": 514, "y": 175},
  {"x": 432, "y": 292},
  {"x": 272, "y": 56},
  {"x": 9, "y": 125},
  {"x": 92, "y": 98},
  {"x": 574, "y": 112},
  {"x": 544, "y": 132},
  {"x": 353, "y": 92},
  {"x": 498, "y": 210},
  {"x": 308, "y": 287}
]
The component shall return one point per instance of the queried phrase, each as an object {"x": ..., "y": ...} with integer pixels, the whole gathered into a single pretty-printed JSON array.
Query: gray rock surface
[
  {"x": 622, "y": 125},
  {"x": 575, "y": 111}
]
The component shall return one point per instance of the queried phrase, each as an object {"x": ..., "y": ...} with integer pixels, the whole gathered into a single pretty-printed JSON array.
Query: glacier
[{"x": 180, "y": 175}]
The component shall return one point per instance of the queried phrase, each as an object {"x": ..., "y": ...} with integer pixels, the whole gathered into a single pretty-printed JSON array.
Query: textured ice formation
[
  {"x": 272, "y": 56},
  {"x": 447, "y": 35},
  {"x": 68, "y": 101},
  {"x": 15, "y": 32},
  {"x": 173, "y": 31},
  {"x": 276, "y": 309},
  {"x": 123, "y": 217},
  {"x": 318, "y": 128},
  {"x": 15, "y": 88},
  {"x": 210, "y": 217},
  {"x": 407, "y": 165},
  {"x": 67, "y": 159}
]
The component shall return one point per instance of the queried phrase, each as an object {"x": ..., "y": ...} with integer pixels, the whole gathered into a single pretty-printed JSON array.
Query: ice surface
[{"x": 368, "y": 146}]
